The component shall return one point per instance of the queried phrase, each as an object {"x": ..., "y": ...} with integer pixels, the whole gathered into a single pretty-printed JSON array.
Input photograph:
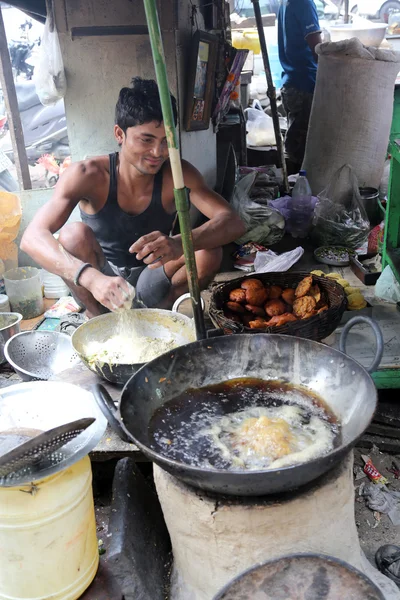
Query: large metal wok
[
  {"x": 344, "y": 384},
  {"x": 147, "y": 322}
]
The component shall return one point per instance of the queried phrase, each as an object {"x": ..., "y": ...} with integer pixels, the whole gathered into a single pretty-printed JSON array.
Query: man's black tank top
[{"x": 116, "y": 230}]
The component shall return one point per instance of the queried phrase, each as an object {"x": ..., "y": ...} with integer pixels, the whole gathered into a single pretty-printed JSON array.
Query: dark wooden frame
[{"x": 192, "y": 124}]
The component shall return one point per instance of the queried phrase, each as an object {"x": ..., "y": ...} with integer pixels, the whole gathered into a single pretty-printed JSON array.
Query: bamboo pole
[
  {"x": 271, "y": 93},
  {"x": 181, "y": 193}
]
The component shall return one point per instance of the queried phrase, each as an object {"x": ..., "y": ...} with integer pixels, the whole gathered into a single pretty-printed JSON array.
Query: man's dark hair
[{"x": 140, "y": 104}]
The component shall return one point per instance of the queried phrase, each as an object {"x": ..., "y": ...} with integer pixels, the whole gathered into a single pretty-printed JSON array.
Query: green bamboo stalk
[{"x": 181, "y": 193}]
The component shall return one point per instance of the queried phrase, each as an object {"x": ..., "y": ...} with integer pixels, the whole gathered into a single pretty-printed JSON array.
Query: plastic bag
[
  {"x": 339, "y": 217},
  {"x": 259, "y": 126},
  {"x": 284, "y": 205},
  {"x": 10, "y": 220},
  {"x": 387, "y": 287},
  {"x": 49, "y": 75},
  {"x": 270, "y": 262},
  {"x": 264, "y": 224}
]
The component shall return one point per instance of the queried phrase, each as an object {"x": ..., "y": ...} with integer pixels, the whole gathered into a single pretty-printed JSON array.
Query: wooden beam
[{"x": 13, "y": 116}]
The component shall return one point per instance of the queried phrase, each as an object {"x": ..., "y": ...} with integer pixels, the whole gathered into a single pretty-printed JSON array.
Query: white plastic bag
[
  {"x": 49, "y": 75},
  {"x": 387, "y": 287},
  {"x": 270, "y": 262},
  {"x": 260, "y": 127}
]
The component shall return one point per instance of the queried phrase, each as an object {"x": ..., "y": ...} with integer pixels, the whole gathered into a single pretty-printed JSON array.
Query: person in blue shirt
[{"x": 298, "y": 35}]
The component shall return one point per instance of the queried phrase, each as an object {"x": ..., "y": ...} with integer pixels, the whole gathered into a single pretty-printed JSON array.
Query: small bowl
[
  {"x": 39, "y": 355},
  {"x": 9, "y": 326}
]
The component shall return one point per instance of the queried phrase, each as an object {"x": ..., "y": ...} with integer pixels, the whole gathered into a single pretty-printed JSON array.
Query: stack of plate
[{"x": 54, "y": 286}]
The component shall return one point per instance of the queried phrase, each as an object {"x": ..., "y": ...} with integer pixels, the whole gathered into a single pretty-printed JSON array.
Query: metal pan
[
  {"x": 147, "y": 322},
  {"x": 344, "y": 385}
]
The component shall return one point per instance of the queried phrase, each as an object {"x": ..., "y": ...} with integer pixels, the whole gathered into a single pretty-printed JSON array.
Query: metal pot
[
  {"x": 316, "y": 572},
  {"x": 342, "y": 383},
  {"x": 147, "y": 322},
  {"x": 370, "y": 201},
  {"x": 9, "y": 326}
]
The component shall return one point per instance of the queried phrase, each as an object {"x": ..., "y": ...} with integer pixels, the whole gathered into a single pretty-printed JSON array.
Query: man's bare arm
[
  {"x": 38, "y": 241},
  {"x": 313, "y": 40}
]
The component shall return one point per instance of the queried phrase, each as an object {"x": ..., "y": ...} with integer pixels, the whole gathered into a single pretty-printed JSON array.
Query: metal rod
[
  {"x": 181, "y": 193},
  {"x": 12, "y": 109},
  {"x": 346, "y": 11},
  {"x": 271, "y": 93}
]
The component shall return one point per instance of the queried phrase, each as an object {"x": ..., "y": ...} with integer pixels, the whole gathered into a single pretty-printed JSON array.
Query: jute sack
[{"x": 352, "y": 112}]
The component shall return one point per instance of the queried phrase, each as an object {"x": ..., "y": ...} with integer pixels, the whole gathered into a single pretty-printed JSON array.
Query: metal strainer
[{"x": 38, "y": 355}]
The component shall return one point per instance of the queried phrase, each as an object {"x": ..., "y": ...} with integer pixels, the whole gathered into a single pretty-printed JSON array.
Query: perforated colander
[{"x": 38, "y": 355}]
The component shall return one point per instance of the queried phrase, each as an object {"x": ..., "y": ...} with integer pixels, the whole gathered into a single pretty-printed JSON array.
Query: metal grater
[{"x": 41, "y": 446}]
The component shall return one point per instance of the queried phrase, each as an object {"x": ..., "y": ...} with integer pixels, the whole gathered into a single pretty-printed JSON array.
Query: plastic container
[
  {"x": 54, "y": 286},
  {"x": 4, "y": 304},
  {"x": 301, "y": 210},
  {"x": 48, "y": 543},
  {"x": 24, "y": 290}
]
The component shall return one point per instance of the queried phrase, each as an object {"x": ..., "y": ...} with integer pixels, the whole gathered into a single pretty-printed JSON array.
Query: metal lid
[{"x": 27, "y": 409}]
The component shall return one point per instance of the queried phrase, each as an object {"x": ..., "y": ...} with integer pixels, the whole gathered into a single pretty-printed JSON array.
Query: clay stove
[{"x": 215, "y": 538}]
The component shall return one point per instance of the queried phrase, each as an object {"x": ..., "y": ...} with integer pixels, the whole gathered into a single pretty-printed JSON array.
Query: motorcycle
[{"x": 44, "y": 127}]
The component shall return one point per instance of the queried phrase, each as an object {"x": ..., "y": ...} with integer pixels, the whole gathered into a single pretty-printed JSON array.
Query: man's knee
[
  {"x": 208, "y": 263},
  {"x": 77, "y": 239}
]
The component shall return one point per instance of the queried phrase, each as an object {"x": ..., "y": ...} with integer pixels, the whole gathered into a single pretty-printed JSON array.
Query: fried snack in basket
[
  {"x": 275, "y": 307},
  {"x": 275, "y": 292},
  {"x": 304, "y": 287},
  {"x": 258, "y": 311},
  {"x": 238, "y": 295},
  {"x": 235, "y": 307},
  {"x": 252, "y": 284},
  {"x": 343, "y": 282},
  {"x": 288, "y": 296},
  {"x": 247, "y": 318},
  {"x": 280, "y": 320},
  {"x": 256, "y": 297},
  {"x": 318, "y": 272},
  {"x": 334, "y": 276},
  {"x": 258, "y": 324},
  {"x": 304, "y": 306},
  {"x": 321, "y": 310},
  {"x": 233, "y": 317},
  {"x": 315, "y": 292}
]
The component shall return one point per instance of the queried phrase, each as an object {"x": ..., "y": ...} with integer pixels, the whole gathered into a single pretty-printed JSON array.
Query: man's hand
[
  {"x": 112, "y": 292},
  {"x": 156, "y": 249}
]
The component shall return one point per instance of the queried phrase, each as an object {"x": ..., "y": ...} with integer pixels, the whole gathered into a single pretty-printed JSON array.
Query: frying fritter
[
  {"x": 251, "y": 284},
  {"x": 304, "y": 305},
  {"x": 255, "y": 310},
  {"x": 288, "y": 296},
  {"x": 238, "y": 295},
  {"x": 275, "y": 307},
  {"x": 235, "y": 307},
  {"x": 304, "y": 287}
]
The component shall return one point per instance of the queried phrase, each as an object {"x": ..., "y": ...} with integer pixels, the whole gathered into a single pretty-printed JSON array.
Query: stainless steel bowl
[
  {"x": 38, "y": 355},
  {"x": 9, "y": 326}
]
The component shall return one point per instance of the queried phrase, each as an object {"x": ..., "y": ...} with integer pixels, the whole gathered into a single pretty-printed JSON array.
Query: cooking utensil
[
  {"x": 40, "y": 446},
  {"x": 369, "y": 34},
  {"x": 42, "y": 406},
  {"x": 336, "y": 256},
  {"x": 9, "y": 326},
  {"x": 147, "y": 322},
  {"x": 38, "y": 355},
  {"x": 302, "y": 576},
  {"x": 343, "y": 384},
  {"x": 370, "y": 201},
  {"x": 315, "y": 328}
]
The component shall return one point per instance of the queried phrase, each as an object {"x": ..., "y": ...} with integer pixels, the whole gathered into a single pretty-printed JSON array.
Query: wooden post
[{"x": 14, "y": 120}]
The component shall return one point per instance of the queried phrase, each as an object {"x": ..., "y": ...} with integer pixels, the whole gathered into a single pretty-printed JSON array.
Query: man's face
[{"x": 144, "y": 146}]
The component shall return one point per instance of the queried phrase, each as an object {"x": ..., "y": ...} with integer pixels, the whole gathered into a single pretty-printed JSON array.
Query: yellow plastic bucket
[{"x": 48, "y": 543}]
